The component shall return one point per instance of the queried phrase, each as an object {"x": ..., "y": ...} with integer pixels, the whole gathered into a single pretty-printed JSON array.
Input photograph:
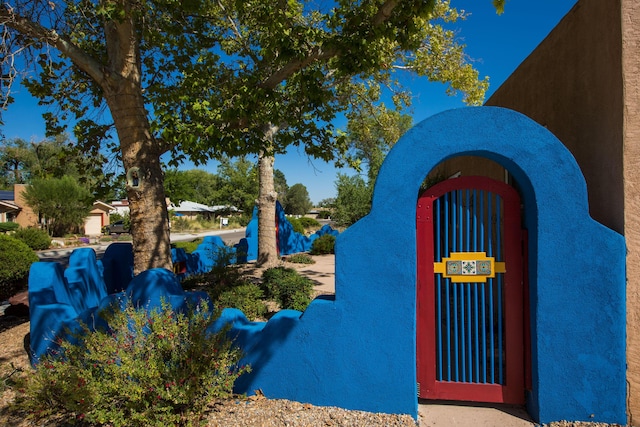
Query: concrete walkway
[{"x": 431, "y": 413}]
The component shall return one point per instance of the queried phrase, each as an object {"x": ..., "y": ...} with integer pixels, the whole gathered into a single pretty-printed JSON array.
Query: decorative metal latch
[{"x": 475, "y": 267}]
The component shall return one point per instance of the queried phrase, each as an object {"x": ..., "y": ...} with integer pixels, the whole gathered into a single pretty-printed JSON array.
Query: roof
[
  {"x": 102, "y": 205},
  {"x": 187, "y": 206},
  {"x": 7, "y": 206},
  {"x": 7, "y": 195}
]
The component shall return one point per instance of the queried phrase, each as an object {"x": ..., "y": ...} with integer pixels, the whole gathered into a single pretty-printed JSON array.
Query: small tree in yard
[
  {"x": 298, "y": 201},
  {"x": 353, "y": 201},
  {"x": 63, "y": 203}
]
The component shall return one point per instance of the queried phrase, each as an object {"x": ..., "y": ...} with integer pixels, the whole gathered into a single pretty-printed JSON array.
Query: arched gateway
[{"x": 361, "y": 349}]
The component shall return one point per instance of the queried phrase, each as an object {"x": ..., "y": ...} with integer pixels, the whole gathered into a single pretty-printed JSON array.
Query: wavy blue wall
[{"x": 358, "y": 351}]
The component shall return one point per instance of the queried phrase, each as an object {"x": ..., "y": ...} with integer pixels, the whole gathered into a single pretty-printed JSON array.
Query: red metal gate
[{"x": 470, "y": 292}]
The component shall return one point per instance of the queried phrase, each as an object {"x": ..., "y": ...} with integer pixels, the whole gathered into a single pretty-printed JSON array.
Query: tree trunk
[
  {"x": 267, "y": 244},
  {"x": 145, "y": 189},
  {"x": 267, "y": 197}
]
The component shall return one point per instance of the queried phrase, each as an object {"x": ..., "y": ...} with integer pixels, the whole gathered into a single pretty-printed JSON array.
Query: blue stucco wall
[
  {"x": 289, "y": 241},
  {"x": 358, "y": 349}
]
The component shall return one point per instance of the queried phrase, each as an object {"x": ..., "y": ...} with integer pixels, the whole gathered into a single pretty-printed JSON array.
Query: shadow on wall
[
  {"x": 59, "y": 298},
  {"x": 358, "y": 350}
]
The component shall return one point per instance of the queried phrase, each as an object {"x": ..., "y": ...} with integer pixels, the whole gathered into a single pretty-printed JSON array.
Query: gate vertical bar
[
  {"x": 438, "y": 257},
  {"x": 468, "y": 292},
  {"x": 499, "y": 290},
  {"x": 490, "y": 281},
  {"x": 481, "y": 248},
  {"x": 454, "y": 230},
  {"x": 447, "y": 283},
  {"x": 475, "y": 287}
]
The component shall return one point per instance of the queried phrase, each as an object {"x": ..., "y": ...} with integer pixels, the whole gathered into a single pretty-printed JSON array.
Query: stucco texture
[{"x": 358, "y": 351}]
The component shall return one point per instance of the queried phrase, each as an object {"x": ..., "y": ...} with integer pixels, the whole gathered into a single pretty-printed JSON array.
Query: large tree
[
  {"x": 92, "y": 61},
  {"x": 194, "y": 185},
  {"x": 220, "y": 77},
  {"x": 286, "y": 70}
]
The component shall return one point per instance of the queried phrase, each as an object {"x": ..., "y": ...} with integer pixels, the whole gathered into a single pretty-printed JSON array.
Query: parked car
[{"x": 117, "y": 227}]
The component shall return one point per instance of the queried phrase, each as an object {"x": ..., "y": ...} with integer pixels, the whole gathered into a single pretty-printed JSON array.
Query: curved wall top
[
  {"x": 359, "y": 350},
  {"x": 576, "y": 266}
]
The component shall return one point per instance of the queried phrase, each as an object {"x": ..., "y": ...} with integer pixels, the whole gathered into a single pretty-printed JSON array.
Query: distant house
[
  {"x": 191, "y": 210},
  {"x": 98, "y": 218},
  {"x": 120, "y": 207},
  {"x": 13, "y": 208}
]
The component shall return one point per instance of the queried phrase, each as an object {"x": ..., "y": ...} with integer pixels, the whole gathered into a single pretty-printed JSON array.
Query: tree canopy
[
  {"x": 297, "y": 201},
  {"x": 202, "y": 79},
  {"x": 22, "y": 162},
  {"x": 61, "y": 202}
]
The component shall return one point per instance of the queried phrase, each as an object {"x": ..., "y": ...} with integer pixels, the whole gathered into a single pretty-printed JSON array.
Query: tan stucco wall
[
  {"x": 26, "y": 217},
  {"x": 631, "y": 167},
  {"x": 572, "y": 84},
  {"x": 469, "y": 166},
  {"x": 583, "y": 84}
]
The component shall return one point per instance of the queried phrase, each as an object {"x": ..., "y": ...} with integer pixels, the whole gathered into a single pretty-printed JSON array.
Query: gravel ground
[
  {"x": 255, "y": 411},
  {"x": 278, "y": 413}
]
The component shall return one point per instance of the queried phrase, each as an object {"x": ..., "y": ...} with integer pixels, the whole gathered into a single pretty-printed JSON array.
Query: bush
[
  {"x": 297, "y": 225},
  {"x": 188, "y": 245},
  {"x": 308, "y": 222},
  {"x": 35, "y": 238},
  {"x": 287, "y": 287},
  {"x": 243, "y": 220},
  {"x": 179, "y": 224},
  {"x": 152, "y": 368},
  {"x": 324, "y": 244},
  {"x": 15, "y": 261},
  {"x": 228, "y": 285},
  {"x": 300, "y": 258},
  {"x": 246, "y": 297},
  {"x": 8, "y": 226}
]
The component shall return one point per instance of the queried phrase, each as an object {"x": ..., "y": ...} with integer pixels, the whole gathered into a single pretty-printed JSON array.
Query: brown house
[
  {"x": 583, "y": 84},
  {"x": 13, "y": 208}
]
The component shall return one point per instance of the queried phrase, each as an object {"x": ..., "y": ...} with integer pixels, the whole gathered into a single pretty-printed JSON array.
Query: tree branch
[
  {"x": 383, "y": 15},
  {"x": 296, "y": 65},
  {"x": 37, "y": 32}
]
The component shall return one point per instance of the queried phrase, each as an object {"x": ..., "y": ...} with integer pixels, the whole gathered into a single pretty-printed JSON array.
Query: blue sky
[{"x": 497, "y": 44}]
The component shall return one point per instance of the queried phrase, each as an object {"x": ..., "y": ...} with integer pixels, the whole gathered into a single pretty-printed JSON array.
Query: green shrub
[
  {"x": 153, "y": 368},
  {"x": 188, "y": 245},
  {"x": 324, "y": 244},
  {"x": 308, "y": 222},
  {"x": 243, "y": 220},
  {"x": 300, "y": 258},
  {"x": 229, "y": 286},
  {"x": 15, "y": 261},
  {"x": 287, "y": 287},
  {"x": 246, "y": 297},
  {"x": 297, "y": 225},
  {"x": 35, "y": 238},
  {"x": 179, "y": 224},
  {"x": 324, "y": 214},
  {"x": 8, "y": 226}
]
